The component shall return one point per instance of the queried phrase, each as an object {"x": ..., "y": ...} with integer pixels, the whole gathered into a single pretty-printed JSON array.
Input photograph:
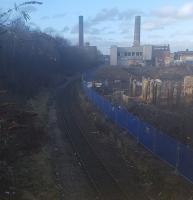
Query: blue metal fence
[{"x": 166, "y": 148}]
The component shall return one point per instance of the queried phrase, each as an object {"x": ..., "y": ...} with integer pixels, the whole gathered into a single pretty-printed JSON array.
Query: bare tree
[{"x": 5, "y": 17}]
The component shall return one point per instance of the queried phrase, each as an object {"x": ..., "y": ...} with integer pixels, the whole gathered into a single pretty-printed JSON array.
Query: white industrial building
[{"x": 139, "y": 54}]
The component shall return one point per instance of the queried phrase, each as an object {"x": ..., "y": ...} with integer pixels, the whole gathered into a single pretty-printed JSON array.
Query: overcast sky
[{"x": 110, "y": 22}]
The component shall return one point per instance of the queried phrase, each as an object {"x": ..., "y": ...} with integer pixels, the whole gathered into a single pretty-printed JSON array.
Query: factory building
[
  {"x": 138, "y": 54},
  {"x": 160, "y": 55},
  {"x": 127, "y": 55},
  {"x": 183, "y": 57},
  {"x": 156, "y": 55},
  {"x": 91, "y": 51}
]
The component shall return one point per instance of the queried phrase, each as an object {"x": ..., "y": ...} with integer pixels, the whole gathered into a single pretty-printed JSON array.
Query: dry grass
[
  {"x": 26, "y": 153},
  {"x": 34, "y": 178}
]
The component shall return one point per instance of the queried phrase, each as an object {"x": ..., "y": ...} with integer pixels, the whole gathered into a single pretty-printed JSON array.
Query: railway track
[{"x": 101, "y": 179}]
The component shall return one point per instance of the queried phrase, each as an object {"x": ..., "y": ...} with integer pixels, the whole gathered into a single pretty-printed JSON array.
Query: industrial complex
[
  {"x": 138, "y": 54},
  {"x": 143, "y": 55},
  {"x": 166, "y": 87}
]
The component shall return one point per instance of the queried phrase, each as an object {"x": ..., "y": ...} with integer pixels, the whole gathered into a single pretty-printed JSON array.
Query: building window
[
  {"x": 119, "y": 54},
  {"x": 133, "y": 53},
  {"x": 137, "y": 53},
  {"x": 141, "y": 54},
  {"x": 129, "y": 53},
  {"x": 125, "y": 53}
]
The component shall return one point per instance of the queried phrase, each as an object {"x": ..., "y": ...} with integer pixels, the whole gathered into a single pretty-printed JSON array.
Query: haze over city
[{"x": 111, "y": 22}]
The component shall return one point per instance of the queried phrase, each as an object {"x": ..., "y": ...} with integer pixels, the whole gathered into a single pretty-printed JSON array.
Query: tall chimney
[
  {"x": 81, "y": 31},
  {"x": 137, "y": 32}
]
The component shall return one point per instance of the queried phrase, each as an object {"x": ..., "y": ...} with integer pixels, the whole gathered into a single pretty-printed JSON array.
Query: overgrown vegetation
[
  {"x": 31, "y": 63},
  {"x": 30, "y": 60}
]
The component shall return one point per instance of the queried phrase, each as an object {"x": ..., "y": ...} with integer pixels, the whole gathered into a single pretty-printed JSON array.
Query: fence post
[
  {"x": 116, "y": 116},
  {"x": 104, "y": 108},
  {"x": 113, "y": 113},
  {"x": 154, "y": 141},
  {"x": 138, "y": 132},
  {"x": 178, "y": 159}
]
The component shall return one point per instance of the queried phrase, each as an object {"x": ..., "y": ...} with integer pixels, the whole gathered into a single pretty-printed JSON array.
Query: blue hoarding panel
[
  {"x": 133, "y": 125},
  {"x": 166, "y": 148},
  {"x": 185, "y": 166},
  {"x": 176, "y": 154},
  {"x": 146, "y": 136}
]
